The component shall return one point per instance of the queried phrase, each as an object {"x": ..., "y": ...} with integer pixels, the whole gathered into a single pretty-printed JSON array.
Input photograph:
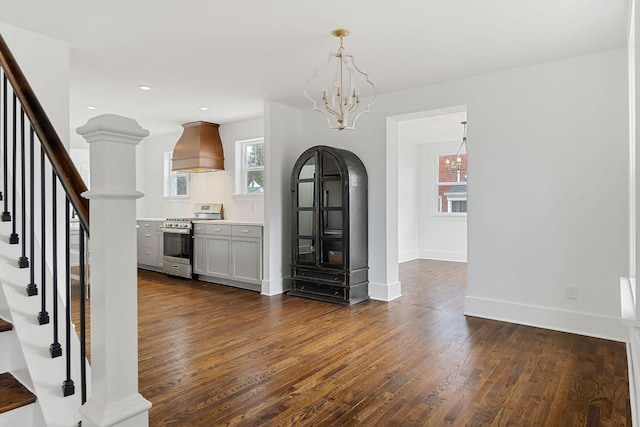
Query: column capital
[{"x": 114, "y": 128}]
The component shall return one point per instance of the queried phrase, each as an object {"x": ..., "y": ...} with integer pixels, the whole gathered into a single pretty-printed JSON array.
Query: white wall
[
  {"x": 441, "y": 236},
  {"x": 217, "y": 187},
  {"x": 282, "y": 140},
  {"x": 408, "y": 200},
  {"x": 45, "y": 63},
  {"x": 422, "y": 232},
  {"x": 556, "y": 216}
]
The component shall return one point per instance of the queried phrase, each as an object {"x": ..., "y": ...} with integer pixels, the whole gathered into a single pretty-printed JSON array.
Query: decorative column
[{"x": 114, "y": 399}]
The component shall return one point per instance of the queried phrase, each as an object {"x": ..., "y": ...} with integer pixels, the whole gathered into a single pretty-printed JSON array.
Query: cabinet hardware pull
[
  {"x": 217, "y": 229},
  {"x": 147, "y": 235},
  {"x": 147, "y": 253},
  {"x": 245, "y": 231},
  {"x": 146, "y": 225}
]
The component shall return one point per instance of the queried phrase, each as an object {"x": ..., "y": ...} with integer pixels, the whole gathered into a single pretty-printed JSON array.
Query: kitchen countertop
[
  {"x": 204, "y": 221},
  {"x": 225, "y": 221}
]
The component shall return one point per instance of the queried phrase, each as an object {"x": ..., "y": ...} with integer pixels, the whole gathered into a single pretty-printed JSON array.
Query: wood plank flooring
[{"x": 214, "y": 355}]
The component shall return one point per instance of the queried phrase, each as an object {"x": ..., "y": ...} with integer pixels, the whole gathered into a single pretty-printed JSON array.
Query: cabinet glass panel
[
  {"x": 330, "y": 165},
  {"x": 332, "y": 223},
  {"x": 332, "y": 253},
  {"x": 306, "y": 223},
  {"x": 308, "y": 170},
  {"x": 305, "y": 194},
  {"x": 306, "y": 250},
  {"x": 331, "y": 194}
]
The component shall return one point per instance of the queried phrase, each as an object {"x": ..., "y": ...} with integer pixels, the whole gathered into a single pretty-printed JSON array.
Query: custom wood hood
[{"x": 199, "y": 148}]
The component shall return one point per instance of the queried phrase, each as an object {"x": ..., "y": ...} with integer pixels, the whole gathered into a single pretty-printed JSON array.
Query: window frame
[
  {"x": 169, "y": 176},
  {"x": 447, "y": 150},
  {"x": 242, "y": 171}
]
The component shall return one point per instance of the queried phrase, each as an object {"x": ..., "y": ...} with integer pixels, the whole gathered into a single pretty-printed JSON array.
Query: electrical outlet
[{"x": 572, "y": 291}]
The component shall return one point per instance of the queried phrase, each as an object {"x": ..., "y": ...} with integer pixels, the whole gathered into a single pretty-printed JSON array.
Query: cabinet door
[
  {"x": 218, "y": 250},
  {"x": 246, "y": 260},
  {"x": 160, "y": 246},
  {"x": 199, "y": 253}
]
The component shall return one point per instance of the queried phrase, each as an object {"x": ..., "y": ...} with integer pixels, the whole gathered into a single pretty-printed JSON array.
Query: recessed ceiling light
[
  {"x": 91, "y": 107},
  {"x": 144, "y": 87},
  {"x": 204, "y": 108}
]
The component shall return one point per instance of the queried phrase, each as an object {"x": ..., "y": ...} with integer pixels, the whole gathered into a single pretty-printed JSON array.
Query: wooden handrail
[{"x": 58, "y": 155}]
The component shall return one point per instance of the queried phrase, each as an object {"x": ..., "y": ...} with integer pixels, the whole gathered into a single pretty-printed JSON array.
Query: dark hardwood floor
[{"x": 214, "y": 355}]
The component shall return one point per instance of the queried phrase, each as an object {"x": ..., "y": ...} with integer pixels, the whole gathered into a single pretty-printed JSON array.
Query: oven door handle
[{"x": 175, "y": 230}]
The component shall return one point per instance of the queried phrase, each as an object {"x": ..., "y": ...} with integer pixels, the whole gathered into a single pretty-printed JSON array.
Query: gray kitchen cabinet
[
  {"x": 218, "y": 256},
  {"x": 246, "y": 253},
  {"x": 150, "y": 245},
  {"x": 230, "y": 254},
  {"x": 199, "y": 252}
]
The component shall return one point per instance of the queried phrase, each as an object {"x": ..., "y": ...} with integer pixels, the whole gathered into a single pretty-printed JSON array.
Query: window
[
  {"x": 176, "y": 184},
  {"x": 452, "y": 183},
  {"x": 251, "y": 170}
]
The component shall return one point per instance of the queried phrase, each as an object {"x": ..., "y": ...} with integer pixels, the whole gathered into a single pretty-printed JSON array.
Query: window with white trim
[
  {"x": 452, "y": 183},
  {"x": 250, "y": 173},
  {"x": 176, "y": 183}
]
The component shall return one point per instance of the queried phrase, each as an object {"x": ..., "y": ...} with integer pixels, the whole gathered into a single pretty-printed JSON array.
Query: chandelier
[
  {"x": 336, "y": 90},
  {"x": 455, "y": 164}
]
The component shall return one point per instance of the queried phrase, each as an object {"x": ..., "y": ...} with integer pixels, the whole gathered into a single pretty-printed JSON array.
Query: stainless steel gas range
[{"x": 178, "y": 239}]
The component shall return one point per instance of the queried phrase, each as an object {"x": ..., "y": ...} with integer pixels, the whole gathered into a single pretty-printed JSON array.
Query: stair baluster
[
  {"x": 68, "y": 387},
  {"x": 6, "y": 215},
  {"x": 55, "y": 349},
  {"x": 23, "y": 261},
  {"x": 83, "y": 316},
  {"x": 32, "y": 288},
  {"x": 43, "y": 316},
  {"x": 13, "y": 239}
]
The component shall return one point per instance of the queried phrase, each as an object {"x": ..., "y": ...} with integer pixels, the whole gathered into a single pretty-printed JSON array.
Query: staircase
[
  {"x": 45, "y": 377},
  {"x": 17, "y": 402}
]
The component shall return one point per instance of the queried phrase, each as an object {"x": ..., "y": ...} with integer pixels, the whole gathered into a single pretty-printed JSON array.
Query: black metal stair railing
[{"x": 43, "y": 204}]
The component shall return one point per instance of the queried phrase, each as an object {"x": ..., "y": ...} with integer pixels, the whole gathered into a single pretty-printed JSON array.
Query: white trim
[
  {"x": 548, "y": 318},
  {"x": 408, "y": 255},
  {"x": 272, "y": 287},
  {"x": 443, "y": 255},
  {"x": 241, "y": 171},
  {"x": 384, "y": 292}
]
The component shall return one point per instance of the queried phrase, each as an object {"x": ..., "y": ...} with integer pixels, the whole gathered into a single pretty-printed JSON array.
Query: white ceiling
[{"x": 231, "y": 56}]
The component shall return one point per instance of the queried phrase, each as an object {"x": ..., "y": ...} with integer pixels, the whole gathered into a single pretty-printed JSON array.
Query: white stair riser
[
  {"x": 10, "y": 357},
  {"x": 19, "y": 417}
]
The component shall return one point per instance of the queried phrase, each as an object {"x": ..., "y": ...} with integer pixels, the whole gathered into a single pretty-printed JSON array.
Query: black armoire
[{"x": 329, "y": 258}]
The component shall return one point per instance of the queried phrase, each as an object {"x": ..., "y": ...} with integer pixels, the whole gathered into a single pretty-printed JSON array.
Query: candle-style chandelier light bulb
[{"x": 336, "y": 87}]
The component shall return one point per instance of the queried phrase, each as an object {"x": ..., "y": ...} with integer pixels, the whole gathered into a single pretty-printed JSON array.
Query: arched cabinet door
[{"x": 329, "y": 231}]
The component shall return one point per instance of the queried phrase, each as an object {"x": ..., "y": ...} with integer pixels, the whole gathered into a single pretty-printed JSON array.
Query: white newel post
[{"x": 114, "y": 399}]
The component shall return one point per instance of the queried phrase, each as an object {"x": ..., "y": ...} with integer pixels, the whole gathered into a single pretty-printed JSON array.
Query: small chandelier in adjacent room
[
  {"x": 455, "y": 164},
  {"x": 336, "y": 91}
]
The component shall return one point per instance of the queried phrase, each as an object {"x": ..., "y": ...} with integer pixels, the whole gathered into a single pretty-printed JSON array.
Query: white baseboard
[
  {"x": 443, "y": 255},
  {"x": 408, "y": 255},
  {"x": 591, "y": 325},
  {"x": 384, "y": 292},
  {"x": 275, "y": 287}
]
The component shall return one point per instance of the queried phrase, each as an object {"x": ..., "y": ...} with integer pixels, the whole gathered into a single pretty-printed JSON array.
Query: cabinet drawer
[
  {"x": 220, "y": 229},
  {"x": 330, "y": 291},
  {"x": 199, "y": 228},
  {"x": 246, "y": 231},
  {"x": 147, "y": 238},
  {"x": 149, "y": 225},
  {"x": 335, "y": 278},
  {"x": 147, "y": 256}
]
